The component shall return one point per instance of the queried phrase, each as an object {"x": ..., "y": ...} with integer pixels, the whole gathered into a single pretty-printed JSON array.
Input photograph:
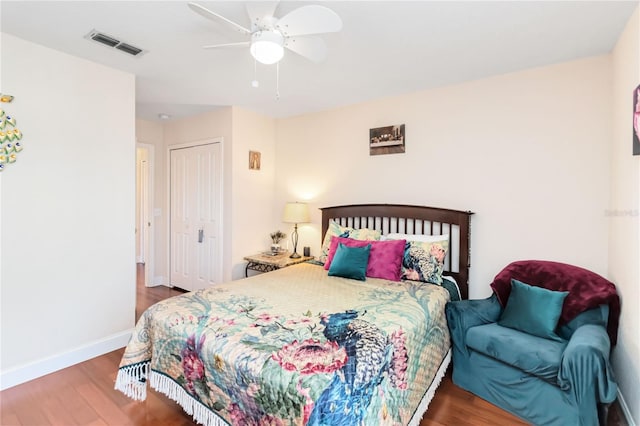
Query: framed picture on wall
[
  {"x": 386, "y": 140},
  {"x": 254, "y": 160},
  {"x": 636, "y": 121}
]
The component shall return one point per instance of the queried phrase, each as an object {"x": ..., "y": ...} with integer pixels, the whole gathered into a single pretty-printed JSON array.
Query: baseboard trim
[
  {"x": 625, "y": 409},
  {"x": 33, "y": 370}
]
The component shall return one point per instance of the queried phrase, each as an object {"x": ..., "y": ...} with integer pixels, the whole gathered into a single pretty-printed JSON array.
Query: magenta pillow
[{"x": 385, "y": 257}]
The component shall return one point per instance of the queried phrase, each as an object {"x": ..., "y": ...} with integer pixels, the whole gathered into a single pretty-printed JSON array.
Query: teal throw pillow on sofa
[
  {"x": 533, "y": 310},
  {"x": 350, "y": 262}
]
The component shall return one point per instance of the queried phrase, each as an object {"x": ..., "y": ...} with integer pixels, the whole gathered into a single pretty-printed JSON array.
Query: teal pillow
[
  {"x": 533, "y": 310},
  {"x": 350, "y": 262}
]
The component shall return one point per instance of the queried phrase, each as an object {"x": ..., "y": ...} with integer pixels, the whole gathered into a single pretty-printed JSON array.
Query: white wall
[
  {"x": 527, "y": 152},
  {"x": 254, "y": 213},
  {"x": 68, "y": 210},
  {"x": 623, "y": 216},
  {"x": 142, "y": 157},
  {"x": 152, "y": 133}
]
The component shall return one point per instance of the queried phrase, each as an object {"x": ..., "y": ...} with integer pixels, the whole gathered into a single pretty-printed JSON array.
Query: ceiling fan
[{"x": 270, "y": 36}]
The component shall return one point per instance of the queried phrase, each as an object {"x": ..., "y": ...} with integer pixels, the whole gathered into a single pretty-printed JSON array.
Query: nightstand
[{"x": 262, "y": 262}]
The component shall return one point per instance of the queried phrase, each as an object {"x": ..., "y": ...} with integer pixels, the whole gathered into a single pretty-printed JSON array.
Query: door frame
[
  {"x": 149, "y": 230},
  {"x": 220, "y": 227}
]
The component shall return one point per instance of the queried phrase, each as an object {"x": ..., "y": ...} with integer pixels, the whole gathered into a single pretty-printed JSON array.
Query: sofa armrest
[
  {"x": 464, "y": 314},
  {"x": 470, "y": 313},
  {"x": 585, "y": 372}
]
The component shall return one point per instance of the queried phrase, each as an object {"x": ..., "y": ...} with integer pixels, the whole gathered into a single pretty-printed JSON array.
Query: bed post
[{"x": 465, "y": 253}]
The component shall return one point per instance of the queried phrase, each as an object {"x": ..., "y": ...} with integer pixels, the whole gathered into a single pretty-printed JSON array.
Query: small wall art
[
  {"x": 636, "y": 121},
  {"x": 386, "y": 140},
  {"x": 254, "y": 160},
  {"x": 10, "y": 136}
]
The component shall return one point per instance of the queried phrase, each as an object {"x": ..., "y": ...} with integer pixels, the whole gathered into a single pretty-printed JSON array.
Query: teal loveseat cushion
[{"x": 534, "y": 355}]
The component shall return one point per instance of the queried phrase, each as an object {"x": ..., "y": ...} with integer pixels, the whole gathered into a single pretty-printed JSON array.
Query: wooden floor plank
[
  {"x": 102, "y": 403},
  {"x": 98, "y": 422},
  {"x": 455, "y": 406},
  {"x": 8, "y": 415},
  {"x": 55, "y": 412},
  {"x": 10, "y": 419},
  {"x": 102, "y": 374},
  {"x": 28, "y": 412},
  {"x": 73, "y": 402}
]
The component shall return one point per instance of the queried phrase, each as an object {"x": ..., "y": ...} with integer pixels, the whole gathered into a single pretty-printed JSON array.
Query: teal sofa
[{"x": 561, "y": 379}]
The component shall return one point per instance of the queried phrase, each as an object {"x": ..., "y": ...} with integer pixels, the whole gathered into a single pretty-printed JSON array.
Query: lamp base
[{"x": 295, "y": 256}]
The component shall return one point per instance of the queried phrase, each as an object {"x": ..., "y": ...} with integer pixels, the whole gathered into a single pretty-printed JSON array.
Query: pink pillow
[{"x": 385, "y": 257}]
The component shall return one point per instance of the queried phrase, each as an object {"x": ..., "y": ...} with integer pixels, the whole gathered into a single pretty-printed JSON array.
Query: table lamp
[{"x": 295, "y": 213}]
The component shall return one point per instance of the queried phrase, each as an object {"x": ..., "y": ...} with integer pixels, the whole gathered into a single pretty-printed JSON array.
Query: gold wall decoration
[
  {"x": 254, "y": 160},
  {"x": 10, "y": 136}
]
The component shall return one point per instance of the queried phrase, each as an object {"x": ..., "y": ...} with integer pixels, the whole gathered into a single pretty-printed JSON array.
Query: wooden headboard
[{"x": 405, "y": 219}]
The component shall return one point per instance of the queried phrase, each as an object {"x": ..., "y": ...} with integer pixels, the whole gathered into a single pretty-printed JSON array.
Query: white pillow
[{"x": 420, "y": 238}]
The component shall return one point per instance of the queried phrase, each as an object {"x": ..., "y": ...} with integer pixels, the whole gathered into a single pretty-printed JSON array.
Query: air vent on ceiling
[
  {"x": 131, "y": 50},
  {"x": 110, "y": 41}
]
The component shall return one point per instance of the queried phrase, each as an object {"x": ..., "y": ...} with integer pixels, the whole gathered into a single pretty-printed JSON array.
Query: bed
[{"x": 305, "y": 345}]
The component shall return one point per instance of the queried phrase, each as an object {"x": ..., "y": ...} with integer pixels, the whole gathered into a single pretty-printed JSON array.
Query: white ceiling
[{"x": 385, "y": 47}]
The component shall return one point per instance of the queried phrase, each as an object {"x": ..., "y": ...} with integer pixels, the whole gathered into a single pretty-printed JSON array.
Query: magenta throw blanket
[{"x": 587, "y": 289}]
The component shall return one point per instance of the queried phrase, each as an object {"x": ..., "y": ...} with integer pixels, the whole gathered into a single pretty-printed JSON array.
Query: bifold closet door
[{"x": 195, "y": 194}]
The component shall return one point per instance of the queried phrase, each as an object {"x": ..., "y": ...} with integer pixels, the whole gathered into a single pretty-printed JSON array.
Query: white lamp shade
[
  {"x": 267, "y": 47},
  {"x": 296, "y": 213}
]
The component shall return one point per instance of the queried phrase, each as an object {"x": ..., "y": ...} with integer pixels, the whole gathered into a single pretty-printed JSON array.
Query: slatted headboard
[{"x": 405, "y": 219}]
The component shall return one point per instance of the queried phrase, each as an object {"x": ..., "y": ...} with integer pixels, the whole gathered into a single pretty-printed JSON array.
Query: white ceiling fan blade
[
  {"x": 257, "y": 10},
  {"x": 312, "y": 19},
  {"x": 239, "y": 44},
  {"x": 201, "y": 10},
  {"x": 312, "y": 48}
]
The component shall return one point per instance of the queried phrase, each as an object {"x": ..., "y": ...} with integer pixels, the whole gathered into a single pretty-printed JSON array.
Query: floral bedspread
[{"x": 293, "y": 347}]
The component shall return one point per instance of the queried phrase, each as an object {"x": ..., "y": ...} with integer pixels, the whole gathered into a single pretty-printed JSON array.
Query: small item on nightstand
[
  {"x": 276, "y": 237},
  {"x": 306, "y": 251}
]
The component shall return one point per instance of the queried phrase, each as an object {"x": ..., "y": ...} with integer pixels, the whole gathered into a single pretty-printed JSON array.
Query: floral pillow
[
  {"x": 336, "y": 230},
  {"x": 424, "y": 260}
]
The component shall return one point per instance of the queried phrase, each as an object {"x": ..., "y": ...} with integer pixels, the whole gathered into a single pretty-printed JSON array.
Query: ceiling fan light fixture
[{"x": 267, "y": 47}]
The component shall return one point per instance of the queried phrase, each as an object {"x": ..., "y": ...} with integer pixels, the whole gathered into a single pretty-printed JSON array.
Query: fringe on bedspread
[
  {"x": 132, "y": 380},
  {"x": 201, "y": 413},
  {"x": 430, "y": 393}
]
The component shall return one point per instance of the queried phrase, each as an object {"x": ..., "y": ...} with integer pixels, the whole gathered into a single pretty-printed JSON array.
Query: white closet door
[
  {"x": 195, "y": 193},
  {"x": 207, "y": 215},
  {"x": 181, "y": 229}
]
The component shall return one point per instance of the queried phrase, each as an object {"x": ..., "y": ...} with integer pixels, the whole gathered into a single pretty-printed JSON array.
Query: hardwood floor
[
  {"x": 147, "y": 296},
  {"x": 83, "y": 395}
]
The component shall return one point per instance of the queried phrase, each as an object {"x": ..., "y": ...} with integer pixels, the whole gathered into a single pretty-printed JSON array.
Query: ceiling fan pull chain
[
  {"x": 255, "y": 82},
  {"x": 277, "y": 81}
]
